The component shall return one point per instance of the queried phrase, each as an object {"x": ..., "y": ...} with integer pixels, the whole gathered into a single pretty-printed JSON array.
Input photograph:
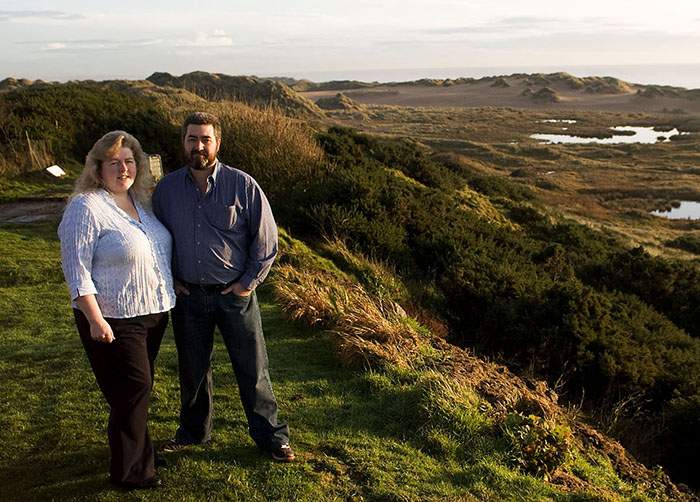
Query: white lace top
[{"x": 124, "y": 262}]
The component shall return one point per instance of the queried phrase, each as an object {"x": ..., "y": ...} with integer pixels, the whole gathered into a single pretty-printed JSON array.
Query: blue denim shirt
[{"x": 227, "y": 234}]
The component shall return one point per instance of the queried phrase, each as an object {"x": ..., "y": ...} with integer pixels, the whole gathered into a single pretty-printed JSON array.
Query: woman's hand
[{"x": 101, "y": 331}]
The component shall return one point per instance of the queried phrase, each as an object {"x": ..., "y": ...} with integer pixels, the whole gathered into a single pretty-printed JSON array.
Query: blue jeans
[{"x": 238, "y": 319}]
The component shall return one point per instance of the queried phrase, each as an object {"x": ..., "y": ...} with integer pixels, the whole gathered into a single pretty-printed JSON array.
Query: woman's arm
[
  {"x": 100, "y": 330},
  {"x": 79, "y": 232}
]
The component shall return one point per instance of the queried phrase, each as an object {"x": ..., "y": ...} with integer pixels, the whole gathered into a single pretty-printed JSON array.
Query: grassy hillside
[
  {"x": 250, "y": 90},
  {"x": 408, "y": 256},
  {"x": 390, "y": 433}
]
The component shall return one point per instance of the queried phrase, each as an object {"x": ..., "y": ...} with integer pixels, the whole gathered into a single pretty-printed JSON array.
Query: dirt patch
[{"x": 30, "y": 211}]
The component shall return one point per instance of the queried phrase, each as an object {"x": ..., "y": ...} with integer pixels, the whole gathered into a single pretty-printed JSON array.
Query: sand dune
[{"x": 522, "y": 91}]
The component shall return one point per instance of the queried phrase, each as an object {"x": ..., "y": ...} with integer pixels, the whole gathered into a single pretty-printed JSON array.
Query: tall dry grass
[
  {"x": 462, "y": 397},
  {"x": 273, "y": 147},
  {"x": 29, "y": 155},
  {"x": 376, "y": 332},
  {"x": 280, "y": 152},
  {"x": 369, "y": 332}
]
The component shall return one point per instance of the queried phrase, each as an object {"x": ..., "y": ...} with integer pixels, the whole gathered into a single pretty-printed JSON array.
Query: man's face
[{"x": 201, "y": 146}]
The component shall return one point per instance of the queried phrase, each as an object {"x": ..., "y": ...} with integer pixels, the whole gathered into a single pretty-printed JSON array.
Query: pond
[
  {"x": 687, "y": 210},
  {"x": 641, "y": 135},
  {"x": 562, "y": 121}
]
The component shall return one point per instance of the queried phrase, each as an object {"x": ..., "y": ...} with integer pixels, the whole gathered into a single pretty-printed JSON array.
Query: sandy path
[{"x": 30, "y": 211}]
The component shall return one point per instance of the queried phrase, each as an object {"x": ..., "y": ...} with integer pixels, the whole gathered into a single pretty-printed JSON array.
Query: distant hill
[
  {"x": 657, "y": 91},
  {"x": 519, "y": 90},
  {"x": 10, "y": 84},
  {"x": 546, "y": 95},
  {"x": 304, "y": 85},
  {"x": 250, "y": 90},
  {"x": 500, "y": 82},
  {"x": 339, "y": 102}
]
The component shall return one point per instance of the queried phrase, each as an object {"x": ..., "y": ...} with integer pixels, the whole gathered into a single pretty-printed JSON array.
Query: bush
[
  {"x": 670, "y": 286},
  {"x": 690, "y": 243},
  {"x": 69, "y": 118},
  {"x": 537, "y": 446},
  {"x": 558, "y": 300}
]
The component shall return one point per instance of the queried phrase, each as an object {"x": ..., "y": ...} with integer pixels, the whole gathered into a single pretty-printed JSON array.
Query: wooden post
[{"x": 32, "y": 155}]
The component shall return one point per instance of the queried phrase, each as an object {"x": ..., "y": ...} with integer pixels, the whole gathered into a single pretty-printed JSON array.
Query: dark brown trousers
[{"x": 124, "y": 372}]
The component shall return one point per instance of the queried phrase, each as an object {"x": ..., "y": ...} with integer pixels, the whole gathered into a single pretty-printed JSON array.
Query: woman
[{"x": 116, "y": 261}]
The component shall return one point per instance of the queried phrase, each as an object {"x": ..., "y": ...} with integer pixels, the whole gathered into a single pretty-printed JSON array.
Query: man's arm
[{"x": 263, "y": 242}]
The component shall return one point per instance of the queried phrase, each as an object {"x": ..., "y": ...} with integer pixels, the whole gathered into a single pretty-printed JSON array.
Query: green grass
[
  {"x": 358, "y": 435},
  {"x": 39, "y": 184}
]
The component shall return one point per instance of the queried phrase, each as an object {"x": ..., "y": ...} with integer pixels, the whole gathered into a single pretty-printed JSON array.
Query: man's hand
[
  {"x": 237, "y": 289},
  {"x": 180, "y": 288}
]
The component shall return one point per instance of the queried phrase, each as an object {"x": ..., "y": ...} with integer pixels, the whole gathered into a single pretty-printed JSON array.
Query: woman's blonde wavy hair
[{"x": 105, "y": 148}]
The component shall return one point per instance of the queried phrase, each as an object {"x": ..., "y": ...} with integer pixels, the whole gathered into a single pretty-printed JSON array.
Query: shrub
[
  {"x": 686, "y": 242},
  {"x": 556, "y": 299},
  {"x": 537, "y": 446},
  {"x": 670, "y": 286},
  {"x": 69, "y": 118}
]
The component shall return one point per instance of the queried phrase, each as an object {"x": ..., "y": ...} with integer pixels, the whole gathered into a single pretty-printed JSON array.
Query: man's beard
[{"x": 199, "y": 161}]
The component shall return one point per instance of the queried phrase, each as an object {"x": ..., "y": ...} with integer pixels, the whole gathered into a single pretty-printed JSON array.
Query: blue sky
[{"x": 62, "y": 40}]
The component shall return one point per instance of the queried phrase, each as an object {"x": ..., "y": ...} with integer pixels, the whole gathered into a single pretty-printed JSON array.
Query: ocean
[{"x": 680, "y": 75}]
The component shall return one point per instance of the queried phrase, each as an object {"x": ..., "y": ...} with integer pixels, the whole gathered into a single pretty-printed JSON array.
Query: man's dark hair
[{"x": 203, "y": 118}]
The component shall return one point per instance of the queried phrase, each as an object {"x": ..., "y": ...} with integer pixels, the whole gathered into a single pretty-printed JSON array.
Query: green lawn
[{"x": 38, "y": 185}]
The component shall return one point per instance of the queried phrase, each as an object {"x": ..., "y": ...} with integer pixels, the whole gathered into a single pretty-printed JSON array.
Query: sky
[{"x": 323, "y": 39}]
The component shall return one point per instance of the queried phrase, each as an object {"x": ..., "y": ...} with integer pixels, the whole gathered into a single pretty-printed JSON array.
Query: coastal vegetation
[{"x": 422, "y": 248}]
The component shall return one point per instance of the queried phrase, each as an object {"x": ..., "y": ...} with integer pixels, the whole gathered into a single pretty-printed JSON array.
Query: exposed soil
[{"x": 30, "y": 211}]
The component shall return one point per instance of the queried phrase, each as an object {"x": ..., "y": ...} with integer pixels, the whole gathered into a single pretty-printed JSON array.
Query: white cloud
[
  {"x": 95, "y": 44},
  {"x": 38, "y": 15},
  {"x": 516, "y": 25},
  {"x": 217, "y": 38}
]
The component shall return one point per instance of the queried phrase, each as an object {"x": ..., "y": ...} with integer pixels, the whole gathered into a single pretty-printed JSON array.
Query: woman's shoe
[{"x": 146, "y": 484}]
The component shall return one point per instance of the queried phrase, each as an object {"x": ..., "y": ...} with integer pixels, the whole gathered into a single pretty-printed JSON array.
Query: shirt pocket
[{"x": 226, "y": 217}]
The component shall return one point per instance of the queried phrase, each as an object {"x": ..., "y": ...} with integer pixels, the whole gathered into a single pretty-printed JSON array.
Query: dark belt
[{"x": 206, "y": 288}]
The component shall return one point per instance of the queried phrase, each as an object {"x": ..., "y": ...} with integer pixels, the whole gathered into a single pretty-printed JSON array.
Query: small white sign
[{"x": 56, "y": 171}]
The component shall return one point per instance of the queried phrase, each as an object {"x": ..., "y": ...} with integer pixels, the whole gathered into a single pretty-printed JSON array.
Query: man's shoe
[
  {"x": 283, "y": 453},
  {"x": 172, "y": 445},
  {"x": 146, "y": 484}
]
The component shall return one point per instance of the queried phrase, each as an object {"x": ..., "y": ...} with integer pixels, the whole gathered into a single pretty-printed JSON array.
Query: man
[{"x": 225, "y": 240}]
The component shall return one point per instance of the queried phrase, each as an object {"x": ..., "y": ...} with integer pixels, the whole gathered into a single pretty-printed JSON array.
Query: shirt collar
[
  {"x": 107, "y": 197},
  {"x": 212, "y": 178}
]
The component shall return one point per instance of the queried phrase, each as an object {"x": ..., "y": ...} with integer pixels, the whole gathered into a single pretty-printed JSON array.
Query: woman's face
[{"x": 119, "y": 171}]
